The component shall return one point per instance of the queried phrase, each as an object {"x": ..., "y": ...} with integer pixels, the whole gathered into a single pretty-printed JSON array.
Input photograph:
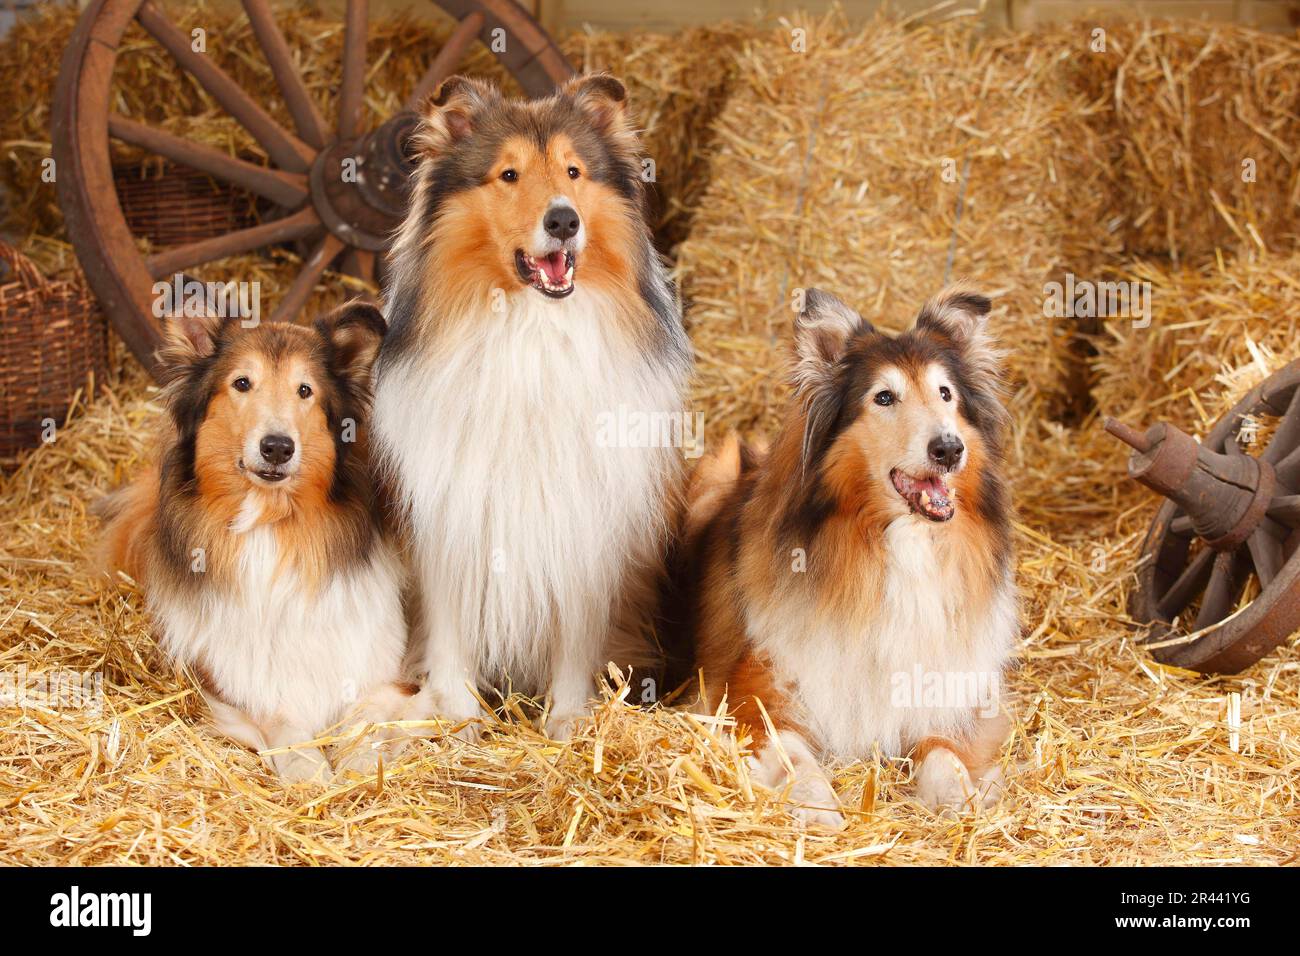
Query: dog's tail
[
  {"x": 128, "y": 516},
  {"x": 714, "y": 478},
  {"x": 709, "y": 490},
  {"x": 108, "y": 506}
]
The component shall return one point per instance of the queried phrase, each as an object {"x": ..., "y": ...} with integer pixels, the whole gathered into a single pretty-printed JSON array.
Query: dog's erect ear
[
  {"x": 194, "y": 333},
  {"x": 449, "y": 114},
  {"x": 354, "y": 331},
  {"x": 959, "y": 315},
  {"x": 821, "y": 335},
  {"x": 602, "y": 98},
  {"x": 187, "y": 339}
]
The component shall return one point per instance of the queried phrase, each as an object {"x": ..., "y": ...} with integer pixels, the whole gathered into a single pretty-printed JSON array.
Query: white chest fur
[
  {"x": 271, "y": 646},
  {"x": 524, "y": 519},
  {"x": 926, "y": 663}
]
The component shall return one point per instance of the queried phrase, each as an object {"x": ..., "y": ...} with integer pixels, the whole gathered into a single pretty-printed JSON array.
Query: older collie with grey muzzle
[
  {"x": 527, "y": 301},
  {"x": 850, "y": 591},
  {"x": 257, "y": 539}
]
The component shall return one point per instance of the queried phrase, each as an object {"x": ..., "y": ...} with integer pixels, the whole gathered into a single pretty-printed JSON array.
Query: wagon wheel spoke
[
  {"x": 1182, "y": 526},
  {"x": 306, "y": 117},
  {"x": 298, "y": 226},
  {"x": 285, "y": 149},
  {"x": 284, "y": 189},
  {"x": 360, "y": 263},
  {"x": 1187, "y": 586},
  {"x": 313, "y": 268},
  {"x": 352, "y": 90},
  {"x": 1226, "y": 583},
  {"x": 1265, "y": 554},
  {"x": 1286, "y": 509},
  {"x": 445, "y": 63},
  {"x": 1284, "y": 448},
  {"x": 1288, "y": 469}
]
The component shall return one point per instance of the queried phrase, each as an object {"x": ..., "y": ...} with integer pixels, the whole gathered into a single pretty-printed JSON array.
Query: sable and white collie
[
  {"x": 257, "y": 539},
  {"x": 526, "y": 302},
  {"x": 856, "y": 579}
]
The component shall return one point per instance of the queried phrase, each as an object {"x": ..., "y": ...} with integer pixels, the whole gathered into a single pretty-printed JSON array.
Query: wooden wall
[
  {"x": 664, "y": 15},
  {"x": 1278, "y": 15}
]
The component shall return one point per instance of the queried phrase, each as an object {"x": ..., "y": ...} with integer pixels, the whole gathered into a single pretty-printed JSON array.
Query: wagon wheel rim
[
  {"x": 349, "y": 222},
  {"x": 1174, "y": 576}
]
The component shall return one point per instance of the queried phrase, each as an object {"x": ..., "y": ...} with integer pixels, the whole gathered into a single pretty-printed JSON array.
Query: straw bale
[
  {"x": 1215, "y": 331},
  {"x": 1201, "y": 129},
  {"x": 677, "y": 84},
  {"x": 860, "y": 166}
]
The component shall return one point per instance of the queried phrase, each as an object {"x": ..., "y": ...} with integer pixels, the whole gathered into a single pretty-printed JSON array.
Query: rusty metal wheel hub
[{"x": 359, "y": 187}]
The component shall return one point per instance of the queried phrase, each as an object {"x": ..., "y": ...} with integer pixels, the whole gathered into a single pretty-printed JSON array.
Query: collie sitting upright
[
  {"x": 857, "y": 579},
  {"x": 256, "y": 537},
  {"x": 526, "y": 303}
]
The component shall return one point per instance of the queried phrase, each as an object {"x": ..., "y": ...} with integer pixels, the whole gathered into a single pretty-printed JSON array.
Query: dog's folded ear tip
[
  {"x": 602, "y": 83},
  {"x": 459, "y": 83},
  {"x": 601, "y": 96},
  {"x": 443, "y": 91},
  {"x": 448, "y": 112},
  {"x": 964, "y": 295},
  {"x": 194, "y": 335},
  {"x": 959, "y": 311},
  {"x": 820, "y": 308},
  {"x": 815, "y": 299},
  {"x": 357, "y": 312}
]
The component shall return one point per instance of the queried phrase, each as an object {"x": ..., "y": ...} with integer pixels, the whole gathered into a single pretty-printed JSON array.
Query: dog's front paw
[
  {"x": 990, "y": 786},
  {"x": 943, "y": 783},
  {"x": 304, "y": 766},
  {"x": 561, "y": 727},
  {"x": 471, "y": 732},
  {"x": 447, "y": 715},
  {"x": 819, "y": 817},
  {"x": 364, "y": 760},
  {"x": 815, "y": 802}
]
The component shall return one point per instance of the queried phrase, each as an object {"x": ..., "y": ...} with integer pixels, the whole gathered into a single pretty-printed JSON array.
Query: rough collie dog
[
  {"x": 256, "y": 536},
  {"x": 853, "y": 586},
  {"x": 527, "y": 302}
]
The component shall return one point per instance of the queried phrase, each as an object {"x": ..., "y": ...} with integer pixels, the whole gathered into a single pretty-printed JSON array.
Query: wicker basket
[
  {"x": 53, "y": 341},
  {"x": 171, "y": 205}
]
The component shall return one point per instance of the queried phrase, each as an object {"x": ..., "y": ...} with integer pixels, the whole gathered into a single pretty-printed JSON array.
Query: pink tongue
[{"x": 554, "y": 266}]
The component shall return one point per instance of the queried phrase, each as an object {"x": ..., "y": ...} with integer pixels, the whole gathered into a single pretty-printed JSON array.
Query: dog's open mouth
[
  {"x": 269, "y": 475},
  {"x": 551, "y": 275},
  {"x": 927, "y": 496}
]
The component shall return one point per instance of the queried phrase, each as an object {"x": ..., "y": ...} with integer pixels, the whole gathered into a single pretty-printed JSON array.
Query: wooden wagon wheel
[
  {"x": 1232, "y": 518},
  {"x": 346, "y": 219}
]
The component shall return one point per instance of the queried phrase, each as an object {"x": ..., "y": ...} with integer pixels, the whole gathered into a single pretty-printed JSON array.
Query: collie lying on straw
[
  {"x": 256, "y": 536},
  {"x": 852, "y": 587}
]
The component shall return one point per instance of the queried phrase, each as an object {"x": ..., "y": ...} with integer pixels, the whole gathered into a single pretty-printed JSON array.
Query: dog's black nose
[
  {"x": 561, "y": 222},
  {"x": 276, "y": 449},
  {"x": 946, "y": 450}
]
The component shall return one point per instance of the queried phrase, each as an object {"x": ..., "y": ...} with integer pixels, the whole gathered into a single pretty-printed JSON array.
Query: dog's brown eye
[
  {"x": 573, "y": 172},
  {"x": 884, "y": 397},
  {"x": 241, "y": 384},
  {"x": 510, "y": 176},
  {"x": 304, "y": 391},
  {"x": 945, "y": 393}
]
